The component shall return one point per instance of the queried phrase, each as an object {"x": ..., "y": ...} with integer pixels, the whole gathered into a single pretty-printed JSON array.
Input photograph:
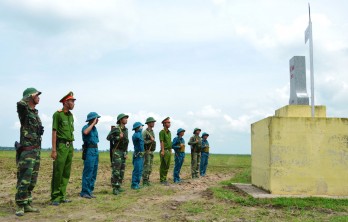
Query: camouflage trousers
[
  {"x": 118, "y": 167},
  {"x": 148, "y": 161},
  {"x": 27, "y": 172},
  {"x": 195, "y": 159}
]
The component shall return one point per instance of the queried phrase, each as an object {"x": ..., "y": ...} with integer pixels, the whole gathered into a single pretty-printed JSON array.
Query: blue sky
[{"x": 216, "y": 64}]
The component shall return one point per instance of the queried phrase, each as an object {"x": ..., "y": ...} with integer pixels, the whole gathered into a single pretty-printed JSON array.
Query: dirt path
[{"x": 166, "y": 207}]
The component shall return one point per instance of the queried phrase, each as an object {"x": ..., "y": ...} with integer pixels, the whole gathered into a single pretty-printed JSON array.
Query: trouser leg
[
  {"x": 137, "y": 171},
  {"x": 66, "y": 172},
  {"x": 148, "y": 160},
  {"x": 95, "y": 171},
  {"x": 88, "y": 167},
  {"x": 165, "y": 164},
  {"x": 25, "y": 172},
  {"x": 176, "y": 171},
  {"x": 35, "y": 174},
  {"x": 116, "y": 169},
  {"x": 58, "y": 171},
  {"x": 123, "y": 167}
]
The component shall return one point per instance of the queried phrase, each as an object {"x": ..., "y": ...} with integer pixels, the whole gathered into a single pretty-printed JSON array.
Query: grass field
[{"x": 205, "y": 199}]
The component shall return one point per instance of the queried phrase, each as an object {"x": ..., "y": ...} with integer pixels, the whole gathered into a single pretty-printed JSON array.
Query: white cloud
[
  {"x": 240, "y": 124},
  {"x": 208, "y": 112}
]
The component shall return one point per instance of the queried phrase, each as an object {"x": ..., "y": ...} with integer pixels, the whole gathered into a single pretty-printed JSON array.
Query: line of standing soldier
[{"x": 29, "y": 147}]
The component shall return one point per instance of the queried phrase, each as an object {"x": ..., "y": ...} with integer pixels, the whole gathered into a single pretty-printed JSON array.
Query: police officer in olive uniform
[
  {"x": 118, "y": 136},
  {"x": 196, "y": 145},
  {"x": 150, "y": 147},
  {"x": 165, "y": 137},
  {"x": 28, "y": 150},
  {"x": 62, "y": 149}
]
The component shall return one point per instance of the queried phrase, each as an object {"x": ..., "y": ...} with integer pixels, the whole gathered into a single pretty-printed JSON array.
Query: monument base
[{"x": 293, "y": 154}]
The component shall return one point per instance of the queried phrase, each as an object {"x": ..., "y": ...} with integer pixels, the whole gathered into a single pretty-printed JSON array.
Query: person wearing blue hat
[
  {"x": 195, "y": 142},
  {"x": 179, "y": 148},
  {"x": 90, "y": 155},
  {"x": 138, "y": 155},
  {"x": 204, "y": 155}
]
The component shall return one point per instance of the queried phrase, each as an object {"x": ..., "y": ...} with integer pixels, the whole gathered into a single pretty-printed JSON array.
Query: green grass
[
  {"x": 220, "y": 202},
  {"x": 244, "y": 176}
]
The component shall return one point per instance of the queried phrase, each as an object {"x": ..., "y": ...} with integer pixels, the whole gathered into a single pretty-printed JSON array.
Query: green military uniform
[
  {"x": 119, "y": 154},
  {"x": 196, "y": 145},
  {"x": 150, "y": 147},
  {"x": 165, "y": 136},
  {"x": 28, "y": 153},
  {"x": 63, "y": 124}
]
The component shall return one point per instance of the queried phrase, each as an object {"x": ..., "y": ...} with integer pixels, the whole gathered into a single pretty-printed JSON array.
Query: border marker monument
[{"x": 299, "y": 151}]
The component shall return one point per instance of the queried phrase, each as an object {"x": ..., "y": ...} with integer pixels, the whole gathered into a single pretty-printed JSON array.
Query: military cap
[
  {"x": 92, "y": 115},
  {"x": 196, "y": 130},
  {"x": 68, "y": 96},
  {"x": 150, "y": 120},
  {"x": 136, "y": 125},
  {"x": 205, "y": 134},
  {"x": 119, "y": 117},
  {"x": 179, "y": 131},
  {"x": 165, "y": 119},
  {"x": 29, "y": 92}
]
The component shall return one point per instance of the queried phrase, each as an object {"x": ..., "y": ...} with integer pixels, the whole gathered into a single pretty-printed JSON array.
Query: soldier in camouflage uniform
[
  {"x": 119, "y": 138},
  {"x": 150, "y": 147},
  {"x": 196, "y": 144},
  {"x": 28, "y": 150}
]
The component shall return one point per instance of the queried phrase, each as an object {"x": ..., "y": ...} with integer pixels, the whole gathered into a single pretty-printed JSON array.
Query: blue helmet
[
  {"x": 179, "y": 131},
  {"x": 136, "y": 125},
  {"x": 92, "y": 115},
  {"x": 205, "y": 134}
]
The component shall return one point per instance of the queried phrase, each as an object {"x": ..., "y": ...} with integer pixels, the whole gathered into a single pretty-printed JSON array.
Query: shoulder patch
[{"x": 59, "y": 110}]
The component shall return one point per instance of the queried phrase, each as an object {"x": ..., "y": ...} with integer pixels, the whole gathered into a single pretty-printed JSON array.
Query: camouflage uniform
[
  {"x": 150, "y": 147},
  {"x": 195, "y": 154},
  {"x": 119, "y": 153},
  {"x": 28, "y": 161}
]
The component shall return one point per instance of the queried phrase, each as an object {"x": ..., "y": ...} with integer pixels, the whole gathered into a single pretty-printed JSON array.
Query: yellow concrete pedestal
[{"x": 293, "y": 153}]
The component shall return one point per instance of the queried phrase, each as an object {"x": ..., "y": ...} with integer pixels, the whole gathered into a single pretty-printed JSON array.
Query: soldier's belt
[
  {"x": 92, "y": 145},
  {"x": 66, "y": 142},
  {"x": 28, "y": 148}
]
